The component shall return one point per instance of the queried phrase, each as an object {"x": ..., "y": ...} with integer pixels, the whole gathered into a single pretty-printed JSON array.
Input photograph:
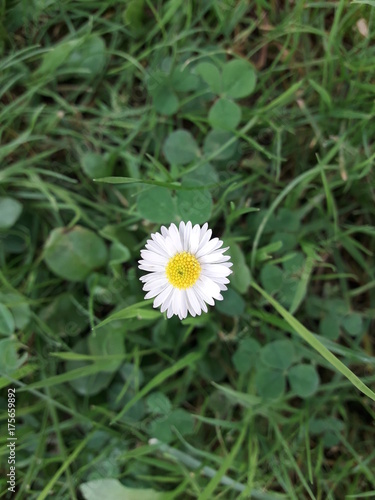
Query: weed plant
[{"x": 120, "y": 116}]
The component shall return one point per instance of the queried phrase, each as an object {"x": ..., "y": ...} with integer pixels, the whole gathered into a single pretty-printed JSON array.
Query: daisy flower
[{"x": 187, "y": 269}]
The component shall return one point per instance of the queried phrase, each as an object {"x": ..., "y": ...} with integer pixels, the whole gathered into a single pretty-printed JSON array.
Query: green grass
[{"x": 271, "y": 394}]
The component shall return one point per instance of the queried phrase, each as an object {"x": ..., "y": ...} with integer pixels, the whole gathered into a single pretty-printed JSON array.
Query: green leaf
[
  {"x": 312, "y": 340},
  {"x": 246, "y": 356},
  {"x": 325, "y": 96},
  {"x": 203, "y": 175},
  {"x": 235, "y": 397},
  {"x": 106, "y": 465},
  {"x": 168, "y": 334},
  {"x": 287, "y": 220},
  {"x": 118, "y": 253},
  {"x": 9, "y": 359},
  {"x": 56, "y": 57},
  {"x": 63, "y": 316},
  {"x": 340, "y": 306},
  {"x": 113, "y": 489},
  {"x": 19, "y": 308},
  {"x": 184, "y": 81},
  {"x": 353, "y": 324},
  {"x": 118, "y": 398},
  {"x": 321, "y": 425},
  {"x": 278, "y": 354},
  {"x": 87, "y": 379},
  {"x": 133, "y": 311},
  {"x": 18, "y": 14},
  {"x": 106, "y": 341},
  {"x": 10, "y": 210},
  {"x": 294, "y": 264},
  {"x": 155, "y": 80},
  {"x": 214, "y": 140},
  {"x": 180, "y": 148},
  {"x": 74, "y": 253},
  {"x": 117, "y": 233},
  {"x": 158, "y": 403},
  {"x": 241, "y": 278},
  {"x": 238, "y": 78},
  {"x": 288, "y": 240},
  {"x": 103, "y": 289},
  {"x": 156, "y": 205},
  {"x": 224, "y": 115},
  {"x": 288, "y": 290},
  {"x": 134, "y": 15},
  {"x": 265, "y": 253},
  {"x": 270, "y": 383},
  {"x": 180, "y": 364},
  {"x": 163, "y": 428},
  {"x": 271, "y": 277},
  {"x": 20, "y": 373},
  {"x": 118, "y": 180},
  {"x": 195, "y": 206},
  {"x": 90, "y": 56},
  {"x": 211, "y": 75},
  {"x": 232, "y": 305},
  {"x": 95, "y": 165},
  {"x": 329, "y": 326},
  {"x": 132, "y": 375},
  {"x": 303, "y": 272},
  {"x": 364, "y": 2},
  {"x": 304, "y": 380},
  {"x": 7, "y": 325},
  {"x": 210, "y": 369},
  {"x": 165, "y": 100},
  {"x": 225, "y": 464}
]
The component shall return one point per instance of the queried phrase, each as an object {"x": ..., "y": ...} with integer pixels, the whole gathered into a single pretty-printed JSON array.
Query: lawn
[{"x": 120, "y": 117}]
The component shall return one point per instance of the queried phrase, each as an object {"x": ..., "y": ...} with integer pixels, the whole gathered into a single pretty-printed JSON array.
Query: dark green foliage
[{"x": 257, "y": 117}]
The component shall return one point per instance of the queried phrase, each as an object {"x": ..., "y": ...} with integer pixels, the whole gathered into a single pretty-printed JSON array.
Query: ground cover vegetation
[{"x": 255, "y": 116}]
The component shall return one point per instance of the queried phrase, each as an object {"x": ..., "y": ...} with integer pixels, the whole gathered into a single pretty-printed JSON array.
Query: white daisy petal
[
  {"x": 175, "y": 237},
  {"x": 164, "y": 243},
  {"x": 146, "y": 266},
  {"x": 203, "y": 231},
  {"x": 163, "y": 295},
  {"x": 190, "y": 307},
  {"x": 209, "y": 247},
  {"x": 156, "y": 292},
  {"x": 186, "y": 269},
  {"x": 201, "y": 291},
  {"x": 202, "y": 303},
  {"x": 164, "y": 231},
  {"x": 187, "y": 233},
  {"x": 193, "y": 300},
  {"x": 177, "y": 302},
  {"x": 204, "y": 238},
  {"x": 153, "y": 247},
  {"x": 167, "y": 302},
  {"x": 157, "y": 283},
  {"x": 212, "y": 270},
  {"x": 210, "y": 286},
  {"x": 219, "y": 281},
  {"x": 181, "y": 231},
  {"x": 153, "y": 257},
  {"x": 184, "y": 309},
  {"x": 169, "y": 312},
  {"x": 153, "y": 276},
  {"x": 194, "y": 239},
  {"x": 213, "y": 257}
]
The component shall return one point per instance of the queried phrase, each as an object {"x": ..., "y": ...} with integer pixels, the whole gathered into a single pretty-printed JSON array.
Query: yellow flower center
[{"x": 183, "y": 270}]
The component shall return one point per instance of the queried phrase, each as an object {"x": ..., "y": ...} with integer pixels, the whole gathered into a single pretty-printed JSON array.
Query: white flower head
[{"x": 187, "y": 269}]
